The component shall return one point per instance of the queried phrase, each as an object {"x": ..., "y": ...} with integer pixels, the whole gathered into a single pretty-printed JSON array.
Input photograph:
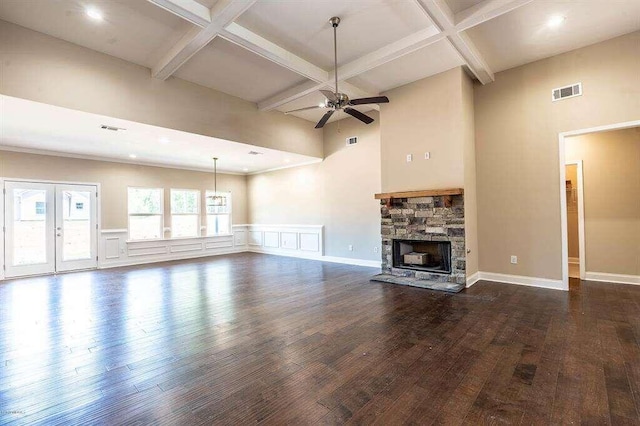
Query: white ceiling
[
  {"x": 278, "y": 53},
  {"x": 530, "y": 39},
  {"x": 63, "y": 131}
]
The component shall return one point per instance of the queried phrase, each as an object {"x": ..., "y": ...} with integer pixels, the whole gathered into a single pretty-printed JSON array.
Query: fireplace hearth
[{"x": 423, "y": 241}]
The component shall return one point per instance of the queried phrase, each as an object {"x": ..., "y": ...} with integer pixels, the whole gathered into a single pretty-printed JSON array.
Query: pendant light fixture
[{"x": 215, "y": 199}]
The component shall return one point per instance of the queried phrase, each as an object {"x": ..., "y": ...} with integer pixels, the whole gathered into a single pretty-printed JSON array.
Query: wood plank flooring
[{"x": 252, "y": 338}]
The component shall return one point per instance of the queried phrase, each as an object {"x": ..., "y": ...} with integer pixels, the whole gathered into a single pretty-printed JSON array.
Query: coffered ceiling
[{"x": 279, "y": 53}]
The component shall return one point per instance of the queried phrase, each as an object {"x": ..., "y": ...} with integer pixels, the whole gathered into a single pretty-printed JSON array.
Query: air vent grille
[
  {"x": 352, "y": 140},
  {"x": 112, "y": 128},
  {"x": 566, "y": 92},
  {"x": 254, "y": 153}
]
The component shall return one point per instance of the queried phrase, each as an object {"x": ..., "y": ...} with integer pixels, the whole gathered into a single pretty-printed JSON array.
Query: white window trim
[
  {"x": 198, "y": 209},
  {"x": 161, "y": 214},
  {"x": 230, "y": 214}
]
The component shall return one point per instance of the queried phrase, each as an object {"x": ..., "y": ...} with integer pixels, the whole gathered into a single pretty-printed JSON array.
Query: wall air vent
[
  {"x": 566, "y": 92},
  {"x": 112, "y": 128},
  {"x": 352, "y": 140},
  {"x": 254, "y": 153}
]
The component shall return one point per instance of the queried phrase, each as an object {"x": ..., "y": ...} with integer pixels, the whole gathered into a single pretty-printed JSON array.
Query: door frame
[
  {"x": 563, "y": 194},
  {"x": 3, "y": 180},
  {"x": 580, "y": 203}
]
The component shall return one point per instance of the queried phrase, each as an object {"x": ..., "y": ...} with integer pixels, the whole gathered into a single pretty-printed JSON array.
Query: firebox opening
[{"x": 428, "y": 256}]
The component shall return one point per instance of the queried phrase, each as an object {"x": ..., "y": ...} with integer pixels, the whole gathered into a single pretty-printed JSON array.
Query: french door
[{"x": 49, "y": 228}]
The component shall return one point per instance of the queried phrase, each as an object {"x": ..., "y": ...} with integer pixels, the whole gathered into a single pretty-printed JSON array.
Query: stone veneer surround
[{"x": 425, "y": 219}]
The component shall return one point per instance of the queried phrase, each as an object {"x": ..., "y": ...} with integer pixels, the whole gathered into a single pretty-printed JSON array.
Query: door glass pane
[
  {"x": 29, "y": 226},
  {"x": 76, "y": 222}
]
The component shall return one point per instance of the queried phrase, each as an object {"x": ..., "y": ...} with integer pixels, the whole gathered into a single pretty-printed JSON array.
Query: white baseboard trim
[
  {"x": 472, "y": 279},
  {"x": 574, "y": 260},
  {"x": 122, "y": 263},
  {"x": 350, "y": 261},
  {"x": 313, "y": 256},
  {"x": 612, "y": 278},
  {"x": 523, "y": 280}
]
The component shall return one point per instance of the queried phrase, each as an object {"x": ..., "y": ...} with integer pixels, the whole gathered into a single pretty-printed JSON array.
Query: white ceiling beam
[
  {"x": 271, "y": 51},
  {"x": 358, "y": 66},
  {"x": 441, "y": 15},
  {"x": 222, "y": 14},
  {"x": 485, "y": 11},
  {"x": 190, "y": 10}
]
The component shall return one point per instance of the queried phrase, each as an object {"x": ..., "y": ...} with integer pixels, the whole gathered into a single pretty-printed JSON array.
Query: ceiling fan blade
[
  {"x": 303, "y": 109},
  {"x": 373, "y": 100},
  {"x": 360, "y": 116},
  {"x": 330, "y": 95},
  {"x": 324, "y": 119}
]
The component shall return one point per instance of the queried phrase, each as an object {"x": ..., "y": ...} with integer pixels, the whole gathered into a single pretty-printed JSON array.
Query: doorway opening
[
  {"x": 49, "y": 227},
  {"x": 600, "y": 189}
]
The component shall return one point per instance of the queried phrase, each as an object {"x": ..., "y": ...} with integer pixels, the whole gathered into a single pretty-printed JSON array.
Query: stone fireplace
[{"x": 423, "y": 239}]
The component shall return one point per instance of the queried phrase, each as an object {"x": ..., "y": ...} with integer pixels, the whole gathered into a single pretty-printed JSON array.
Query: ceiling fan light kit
[{"x": 337, "y": 101}]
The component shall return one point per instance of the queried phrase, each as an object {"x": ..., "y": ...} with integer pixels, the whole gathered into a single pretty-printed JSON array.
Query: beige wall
[
  {"x": 41, "y": 68},
  {"x": 572, "y": 211},
  {"x": 517, "y": 153},
  {"x": 424, "y": 116},
  {"x": 114, "y": 179},
  {"x": 433, "y": 115},
  {"x": 337, "y": 193},
  {"x": 611, "y": 169}
]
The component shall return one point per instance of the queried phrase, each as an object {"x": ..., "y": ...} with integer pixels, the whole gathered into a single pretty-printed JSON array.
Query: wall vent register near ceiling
[
  {"x": 352, "y": 140},
  {"x": 254, "y": 153},
  {"x": 112, "y": 128},
  {"x": 566, "y": 92}
]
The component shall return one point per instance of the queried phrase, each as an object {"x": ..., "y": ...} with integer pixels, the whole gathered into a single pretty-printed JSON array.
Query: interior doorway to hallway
[{"x": 49, "y": 227}]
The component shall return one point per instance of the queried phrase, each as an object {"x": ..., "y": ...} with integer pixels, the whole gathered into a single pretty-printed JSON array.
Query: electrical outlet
[
  {"x": 427, "y": 155},
  {"x": 409, "y": 158},
  {"x": 350, "y": 247},
  {"x": 514, "y": 260},
  {"x": 375, "y": 249}
]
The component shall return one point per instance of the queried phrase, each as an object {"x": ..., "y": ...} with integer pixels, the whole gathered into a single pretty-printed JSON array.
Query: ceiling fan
[{"x": 337, "y": 101}]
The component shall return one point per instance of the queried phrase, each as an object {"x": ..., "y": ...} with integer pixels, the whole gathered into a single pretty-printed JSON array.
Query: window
[
  {"x": 145, "y": 213},
  {"x": 185, "y": 213},
  {"x": 39, "y": 207},
  {"x": 218, "y": 217}
]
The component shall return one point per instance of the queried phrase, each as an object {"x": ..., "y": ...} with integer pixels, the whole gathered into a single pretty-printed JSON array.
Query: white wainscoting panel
[
  {"x": 116, "y": 250},
  {"x": 271, "y": 239},
  {"x": 289, "y": 240},
  {"x": 255, "y": 238},
  {"x": 239, "y": 237},
  {"x": 310, "y": 241}
]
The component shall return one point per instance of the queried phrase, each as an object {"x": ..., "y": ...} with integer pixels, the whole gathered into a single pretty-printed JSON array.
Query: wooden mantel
[{"x": 447, "y": 193}]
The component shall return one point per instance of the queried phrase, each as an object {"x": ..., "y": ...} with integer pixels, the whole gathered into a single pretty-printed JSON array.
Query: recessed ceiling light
[
  {"x": 286, "y": 160},
  {"x": 133, "y": 156},
  {"x": 555, "y": 21},
  {"x": 245, "y": 170},
  {"x": 94, "y": 14},
  {"x": 164, "y": 140}
]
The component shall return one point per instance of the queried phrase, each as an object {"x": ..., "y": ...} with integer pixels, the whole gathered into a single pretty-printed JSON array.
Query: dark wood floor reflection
[{"x": 253, "y": 338}]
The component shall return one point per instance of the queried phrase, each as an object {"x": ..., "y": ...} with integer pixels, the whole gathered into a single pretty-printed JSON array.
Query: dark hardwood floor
[{"x": 252, "y": 338}]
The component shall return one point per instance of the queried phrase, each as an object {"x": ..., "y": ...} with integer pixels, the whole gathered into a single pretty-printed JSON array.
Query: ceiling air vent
[
  {"x": 254, "y": 153},
  {"x": 566, "y": 92},
  {"x": 112, "y": 128},
  {"x": 352, "y": 140}
]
